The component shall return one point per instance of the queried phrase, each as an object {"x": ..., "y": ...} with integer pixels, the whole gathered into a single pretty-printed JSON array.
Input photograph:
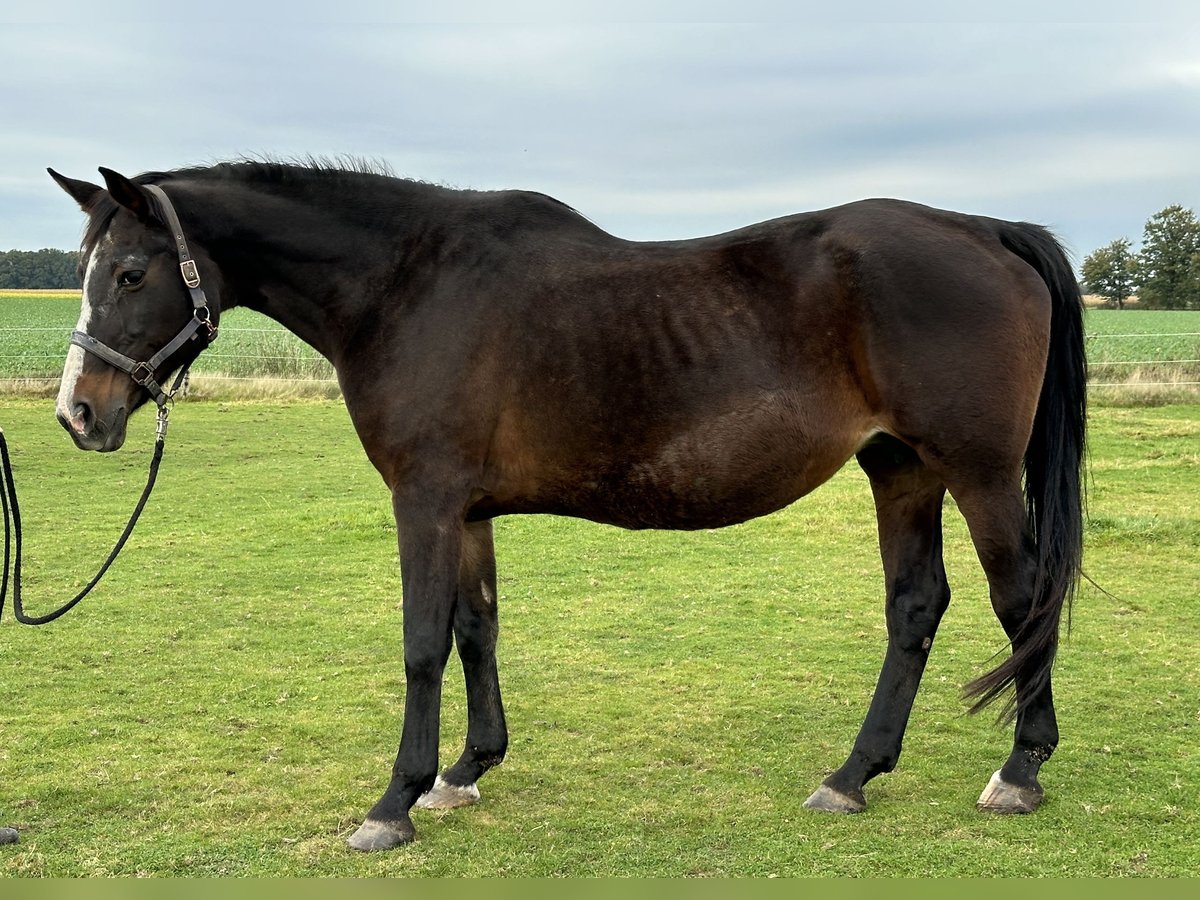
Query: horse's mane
[
  {"x": 284, "y": 174},
  {"x": 270, "y": 170},
  {"x": 260, "y": 170}
]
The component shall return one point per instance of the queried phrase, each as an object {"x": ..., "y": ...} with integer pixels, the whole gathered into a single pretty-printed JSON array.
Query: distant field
[
  {"x": 1143, "y": 337},
  {"x": 1133, "y": 353},
  {"x": 252, "y": 356},
  {"x": 1144, "y": 355}
]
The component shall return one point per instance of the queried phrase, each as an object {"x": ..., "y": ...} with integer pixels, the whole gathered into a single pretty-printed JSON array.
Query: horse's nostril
[{"x": 82, "y": 418}]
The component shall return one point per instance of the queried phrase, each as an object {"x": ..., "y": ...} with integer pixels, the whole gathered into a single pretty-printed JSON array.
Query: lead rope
[{"x": 12, "y": 531}]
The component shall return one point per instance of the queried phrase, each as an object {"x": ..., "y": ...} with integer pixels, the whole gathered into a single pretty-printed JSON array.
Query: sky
[{"x": 652, "y": 128}]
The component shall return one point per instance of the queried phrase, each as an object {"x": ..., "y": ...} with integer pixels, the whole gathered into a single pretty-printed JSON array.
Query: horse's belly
[
  {"x": 683, "y": 485},
  {"x": 637, "y": 500},
  {"x": 682, "y": 471}
]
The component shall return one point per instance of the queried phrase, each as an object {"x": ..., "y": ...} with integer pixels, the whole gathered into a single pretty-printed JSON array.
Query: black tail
[{"x": 1053, "y": 475}]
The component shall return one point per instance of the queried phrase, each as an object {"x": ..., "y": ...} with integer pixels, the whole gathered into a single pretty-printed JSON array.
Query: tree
[
  {"x": 44, "y": 268},
  {"x": 1111, "y": 272},
  {"x": 1169, "y": 263}
]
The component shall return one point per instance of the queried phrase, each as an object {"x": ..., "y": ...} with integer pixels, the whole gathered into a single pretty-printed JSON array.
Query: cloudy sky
[{"x": 654, "y": 130}]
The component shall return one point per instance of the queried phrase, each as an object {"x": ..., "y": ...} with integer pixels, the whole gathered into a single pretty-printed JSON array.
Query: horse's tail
[{"x": 1054, "y": 490}]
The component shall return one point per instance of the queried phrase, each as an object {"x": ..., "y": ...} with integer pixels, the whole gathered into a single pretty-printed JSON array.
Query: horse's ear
[
  {"x": 133, "y": 197},
  {"x": 84, "y": 192}
]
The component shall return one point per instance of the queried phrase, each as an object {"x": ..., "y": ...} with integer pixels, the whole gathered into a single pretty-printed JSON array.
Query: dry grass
[
  {"x": 34, "y": 388},
  {"x": 1149, "y": 386},
  {"x": 218, "y": 387}
]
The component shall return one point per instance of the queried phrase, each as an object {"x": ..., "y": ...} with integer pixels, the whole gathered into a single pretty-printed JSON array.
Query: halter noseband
[{"x": 143, "y": 373}]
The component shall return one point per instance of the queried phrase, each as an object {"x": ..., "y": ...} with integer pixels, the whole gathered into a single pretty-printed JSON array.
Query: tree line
[
  {"x": 39, "y": 269},
  {"x": 1163, "y": 274}
]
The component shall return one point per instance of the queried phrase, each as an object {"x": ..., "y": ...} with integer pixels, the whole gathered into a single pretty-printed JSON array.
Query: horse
[{"x": 501, "y": 354}]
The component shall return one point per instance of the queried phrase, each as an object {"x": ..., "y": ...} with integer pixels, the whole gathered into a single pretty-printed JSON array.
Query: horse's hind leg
[
  {"x": 475, "y": 633},
  {"x": 998, "y": 524},
  {"x": 908, "y": 505}
]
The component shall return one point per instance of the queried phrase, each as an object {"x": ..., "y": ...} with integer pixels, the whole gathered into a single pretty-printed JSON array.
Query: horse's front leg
[
  {"x": 430, "y": 548},
  {"x": 475, "y": 631}
]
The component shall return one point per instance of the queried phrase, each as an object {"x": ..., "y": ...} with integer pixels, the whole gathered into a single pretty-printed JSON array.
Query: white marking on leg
[{"x": 448, "y": 796}]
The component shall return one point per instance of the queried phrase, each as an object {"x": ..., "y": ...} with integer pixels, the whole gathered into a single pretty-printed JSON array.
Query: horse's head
[{"x": 135, "y": 304}]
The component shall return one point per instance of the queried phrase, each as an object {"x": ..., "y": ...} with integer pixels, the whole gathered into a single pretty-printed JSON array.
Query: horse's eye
[{"x": 132, "y": 278}]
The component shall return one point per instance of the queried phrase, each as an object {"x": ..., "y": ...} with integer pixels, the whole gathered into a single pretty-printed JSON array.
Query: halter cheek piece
[{"x": 143, "y": 373}]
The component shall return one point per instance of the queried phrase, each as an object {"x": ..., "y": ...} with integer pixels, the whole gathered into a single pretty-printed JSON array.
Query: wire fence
[
  {"x": 251, "y": 359},
  {"x": 263, "y": 357},
  {"x": 1141, "y": 362}
]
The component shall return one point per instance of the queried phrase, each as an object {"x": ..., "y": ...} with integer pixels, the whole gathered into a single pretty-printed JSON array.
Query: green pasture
[{"x": 228, "y": 702}]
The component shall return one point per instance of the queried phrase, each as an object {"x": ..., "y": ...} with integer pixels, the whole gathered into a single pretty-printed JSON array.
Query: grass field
[
  {"x": 1133, "y": 354},
  {"x": 228, "y": 702}
]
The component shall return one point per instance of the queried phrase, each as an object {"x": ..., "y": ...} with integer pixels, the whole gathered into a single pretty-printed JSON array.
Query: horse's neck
[{"x": 307, "y": 269}]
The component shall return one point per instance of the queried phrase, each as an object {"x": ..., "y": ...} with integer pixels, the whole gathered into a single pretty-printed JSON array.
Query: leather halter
[{"x": 144, "y": 373}]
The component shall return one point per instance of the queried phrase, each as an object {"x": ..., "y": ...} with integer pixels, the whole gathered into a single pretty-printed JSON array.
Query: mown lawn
[{"x": 228, "y": 702}]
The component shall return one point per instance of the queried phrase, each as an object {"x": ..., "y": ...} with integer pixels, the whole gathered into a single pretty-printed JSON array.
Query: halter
[{"x": 143, "y": 373}]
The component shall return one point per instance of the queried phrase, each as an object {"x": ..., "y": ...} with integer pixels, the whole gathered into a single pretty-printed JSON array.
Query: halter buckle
[
  {"x": 140, "y": 379},
  {"x": 191, "y": 275}
]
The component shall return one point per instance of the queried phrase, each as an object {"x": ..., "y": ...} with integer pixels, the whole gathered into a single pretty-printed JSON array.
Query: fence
[
  {"x": 245, "y": 361},
  {"x": 252, "y": 360},
  {"x": 1144, "y": 367},
  {"x": 1095, "y": 364}
]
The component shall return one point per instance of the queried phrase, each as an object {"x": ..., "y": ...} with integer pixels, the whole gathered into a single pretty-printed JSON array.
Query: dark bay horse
[{"x": 499, "y": 354}]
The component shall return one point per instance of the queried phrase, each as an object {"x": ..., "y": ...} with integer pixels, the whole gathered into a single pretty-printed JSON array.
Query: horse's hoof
[
  {"x": 444, "y": 795},
  {"x": 827, "y": 799},
  {"x": 372, "y": 835},
  {"x": 1001, "y": 797},
  {"x": 9, "y": 836}
]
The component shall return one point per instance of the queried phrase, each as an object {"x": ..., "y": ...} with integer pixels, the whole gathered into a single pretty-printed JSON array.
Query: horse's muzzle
[{"x": 92, "y": 433}]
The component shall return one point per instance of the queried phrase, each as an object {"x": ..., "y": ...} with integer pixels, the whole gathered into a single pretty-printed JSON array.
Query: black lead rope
[
  {"x": 12, "y": 539},
  {"x": 12, "y": 527},
  {"x": 143, "y": 373}
]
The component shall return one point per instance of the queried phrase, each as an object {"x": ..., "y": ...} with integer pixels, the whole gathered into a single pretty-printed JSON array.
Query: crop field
[
  {"x": 252, "y": 357},
  {"x": 228, "y": 702},
  {"x": 1138, "y": 357}
]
